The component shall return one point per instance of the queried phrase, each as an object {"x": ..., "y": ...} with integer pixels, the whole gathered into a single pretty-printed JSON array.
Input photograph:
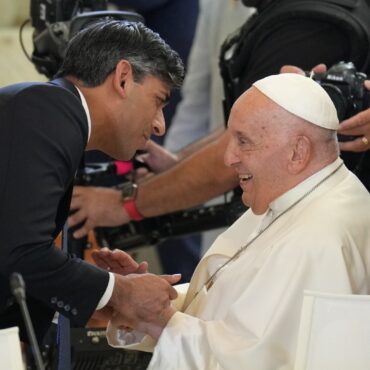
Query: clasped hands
[{"x": 140, "y": 300}]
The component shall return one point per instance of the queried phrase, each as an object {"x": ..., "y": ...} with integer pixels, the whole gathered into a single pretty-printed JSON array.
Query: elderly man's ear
[{"x": 300, "y": 155}]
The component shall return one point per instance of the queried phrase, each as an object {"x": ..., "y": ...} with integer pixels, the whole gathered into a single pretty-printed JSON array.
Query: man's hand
[
  {"x": 320, "y": 68},
  {"x": 157, "y": 158},
  {"x": 142, "y": 297},
  {"x": 95, "y": 206},
  {"x": 358, "y": 125},
  {"x": 118, "y": 261},
  {"x": 152, "y": 329}
]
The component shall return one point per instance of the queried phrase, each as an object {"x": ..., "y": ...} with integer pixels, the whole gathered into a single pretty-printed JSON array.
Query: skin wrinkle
[{"x": 289, "y": 149}]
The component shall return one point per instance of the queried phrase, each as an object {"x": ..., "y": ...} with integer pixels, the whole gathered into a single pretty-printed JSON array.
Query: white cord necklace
[{"x": 209, "y": 283}]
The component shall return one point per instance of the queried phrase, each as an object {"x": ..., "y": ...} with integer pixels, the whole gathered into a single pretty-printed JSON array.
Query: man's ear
[
  {"x": 300, "y": 154},
  {"x": 122, "y": 78}
]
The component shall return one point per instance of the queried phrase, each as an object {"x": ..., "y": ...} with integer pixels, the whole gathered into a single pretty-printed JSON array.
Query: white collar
[
  {"x": 287, "y": 199},
  {"x": 86, "y": 108}
]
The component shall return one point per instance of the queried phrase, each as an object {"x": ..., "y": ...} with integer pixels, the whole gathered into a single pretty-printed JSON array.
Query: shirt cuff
[{"x": 107, "y": 294}]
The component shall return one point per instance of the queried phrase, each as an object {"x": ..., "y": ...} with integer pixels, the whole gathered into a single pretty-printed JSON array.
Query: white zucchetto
[{"x": 302, "y": 97}]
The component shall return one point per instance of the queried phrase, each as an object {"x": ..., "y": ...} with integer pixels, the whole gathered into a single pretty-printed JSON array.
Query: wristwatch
[{"x": 128, "y": 196}]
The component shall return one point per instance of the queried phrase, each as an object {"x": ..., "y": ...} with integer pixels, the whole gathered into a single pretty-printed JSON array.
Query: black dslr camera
[
  {"x": 55, "y": 22},
  {"x": 345, "y": 86}
]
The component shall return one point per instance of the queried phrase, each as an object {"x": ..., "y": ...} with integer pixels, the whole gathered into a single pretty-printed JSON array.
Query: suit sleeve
[{"x": 47, "y": 133}]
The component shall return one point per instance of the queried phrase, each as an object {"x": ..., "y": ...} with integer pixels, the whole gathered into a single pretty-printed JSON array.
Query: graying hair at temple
[{"x": 95, "y": 51}]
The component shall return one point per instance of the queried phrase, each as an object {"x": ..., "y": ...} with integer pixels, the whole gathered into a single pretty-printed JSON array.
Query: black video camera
[
  {"x": 345, "y": 86},
  {"x": 55, "y": 22}
]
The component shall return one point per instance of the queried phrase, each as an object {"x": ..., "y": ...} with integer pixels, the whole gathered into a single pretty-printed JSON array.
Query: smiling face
[{"x": 259, "y": 149}]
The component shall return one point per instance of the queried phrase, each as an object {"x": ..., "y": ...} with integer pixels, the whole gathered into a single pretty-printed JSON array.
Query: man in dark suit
[{"x": 109, "y": 95}]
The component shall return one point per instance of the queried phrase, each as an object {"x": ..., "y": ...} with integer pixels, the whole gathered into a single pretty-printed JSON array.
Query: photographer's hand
[
  {"x": 358, "y": 125},
  {"x": 95, "y": 206},
  {"x": 320, "y": 68},
  {"x": 157, "y": 158}
]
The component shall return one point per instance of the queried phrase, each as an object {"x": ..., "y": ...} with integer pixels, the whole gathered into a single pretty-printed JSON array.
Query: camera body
[
  {"x": 45, "y": 12},
  {"x": 345, "y": 86},
  {"x": 55, "y": 22}
]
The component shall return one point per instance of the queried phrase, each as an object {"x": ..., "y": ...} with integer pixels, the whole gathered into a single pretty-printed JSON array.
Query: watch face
[{"x": 128, "y": 191}]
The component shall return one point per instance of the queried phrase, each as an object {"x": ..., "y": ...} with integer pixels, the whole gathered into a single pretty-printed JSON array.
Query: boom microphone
[{"x": 17, "y": 287}]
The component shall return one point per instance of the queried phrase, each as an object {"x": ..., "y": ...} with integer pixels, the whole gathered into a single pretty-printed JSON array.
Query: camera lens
[{"x": 337, "y": 97}]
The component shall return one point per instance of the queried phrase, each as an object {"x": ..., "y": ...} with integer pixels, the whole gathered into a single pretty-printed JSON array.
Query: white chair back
[
  {"x": 334, "y": 332},
  {"x": 10, "y": 350}
]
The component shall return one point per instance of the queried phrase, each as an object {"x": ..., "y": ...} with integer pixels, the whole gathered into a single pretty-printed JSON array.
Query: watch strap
[{"x": 130, "y": 207}]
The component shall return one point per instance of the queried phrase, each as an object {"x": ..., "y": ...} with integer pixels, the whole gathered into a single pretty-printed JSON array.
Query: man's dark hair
[{"x": 93, "y": 54}]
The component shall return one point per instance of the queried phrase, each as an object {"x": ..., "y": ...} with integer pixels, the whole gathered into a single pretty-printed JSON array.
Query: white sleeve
[
  {"x": 107, "y": 294},
  {"x": 260, "y": 328},
  {"x": 136, "y": 340}
]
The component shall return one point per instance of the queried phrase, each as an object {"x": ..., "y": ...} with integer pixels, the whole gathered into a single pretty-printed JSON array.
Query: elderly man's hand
[
  {"x": 142, "y": 297},
  {"x": 95, "y": 206},
  {"x": 118, "y": 261},
  {"x": 154, "y": 329}
]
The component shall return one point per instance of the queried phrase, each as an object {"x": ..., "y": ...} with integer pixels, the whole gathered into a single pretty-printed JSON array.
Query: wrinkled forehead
[
  {"x": 253, "y": 105},
  {"x": 255, "y": 115}
]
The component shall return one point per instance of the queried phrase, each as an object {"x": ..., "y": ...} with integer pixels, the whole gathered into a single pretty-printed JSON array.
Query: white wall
[{"x": 14, "y": 66}]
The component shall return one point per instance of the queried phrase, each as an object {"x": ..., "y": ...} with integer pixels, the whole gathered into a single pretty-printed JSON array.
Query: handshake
[{"x": 140, "y": 300}]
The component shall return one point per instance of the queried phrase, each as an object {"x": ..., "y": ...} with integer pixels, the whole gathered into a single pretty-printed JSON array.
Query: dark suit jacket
[{"x": 43, "y": 133}]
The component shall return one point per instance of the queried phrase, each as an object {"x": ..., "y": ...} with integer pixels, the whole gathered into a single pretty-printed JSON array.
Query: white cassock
[{"x": 249, "y": 318}]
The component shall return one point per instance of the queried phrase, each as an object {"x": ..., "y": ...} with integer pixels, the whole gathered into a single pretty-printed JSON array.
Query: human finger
[
  {"x": 141, "y": 173},
  {"x": 124, "y": 262},
  {"x": 99, "y": 258},
  {"x": 78, "y": 190},
  {"x": 291, "y": 69},
  {"x": 76, "y": 218},
  {"x": 359, "y": 144},
  {"x": 143, "y": 268},
  {"x": 81, "y": 232},
  {"x": 116, "y": 261},
  {"x": 319, "y": 68},
  {"x": 356, "y": 124},
  {"x": 172, "y": 279}
]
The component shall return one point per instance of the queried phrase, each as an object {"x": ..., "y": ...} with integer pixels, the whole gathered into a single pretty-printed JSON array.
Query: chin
[
  {"x": 245, "y": 201},
  {"x": 122, "y": 156}
]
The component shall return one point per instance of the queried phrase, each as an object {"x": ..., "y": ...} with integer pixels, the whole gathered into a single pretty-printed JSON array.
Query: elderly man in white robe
[{"x": 308, "y": 227}]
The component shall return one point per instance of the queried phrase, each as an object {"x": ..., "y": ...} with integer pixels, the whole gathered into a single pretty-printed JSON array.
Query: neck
[
  {"x": 94, "y": 97},
  {"x": 311, "y": 170}
]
